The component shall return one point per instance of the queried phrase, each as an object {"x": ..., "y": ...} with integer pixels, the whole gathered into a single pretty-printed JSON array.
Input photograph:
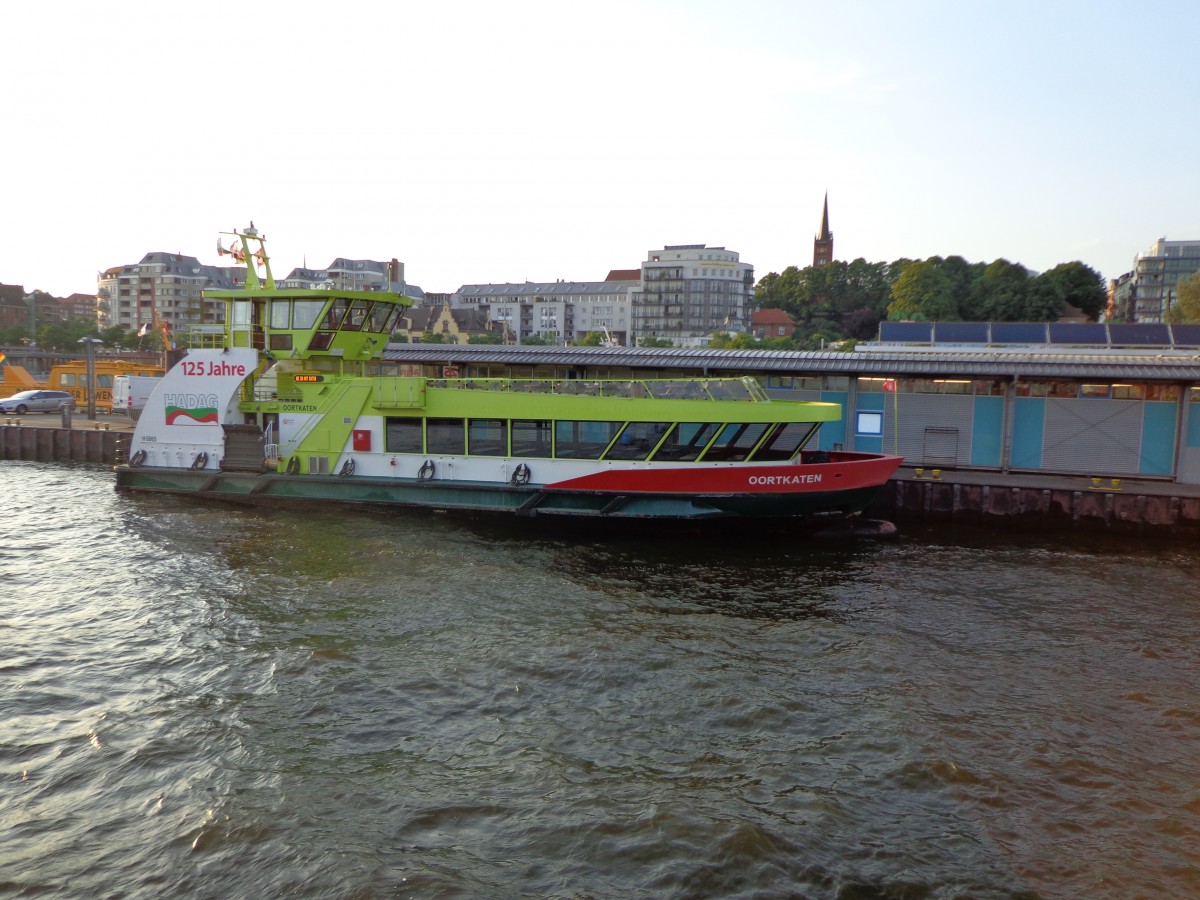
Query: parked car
[{"x": 37, "y": 401}]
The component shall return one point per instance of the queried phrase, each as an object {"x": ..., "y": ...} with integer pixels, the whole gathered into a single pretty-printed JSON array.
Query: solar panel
[
  {"x": 1186, "y": 335},
  {"x": 1018, "y": 333},
  {"x": 960, "y": 332},
  {"x": 1078, "y": 333},
  {"x": 906, "y": 332},
  {"x": 1139, "y": 334}
]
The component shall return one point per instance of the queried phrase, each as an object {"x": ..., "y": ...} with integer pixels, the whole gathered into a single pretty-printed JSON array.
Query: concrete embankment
[
  {"x": 103, "y": 440},
  {"x": 1031, "y": 502},
  {"x": 1025, "y": 502}
]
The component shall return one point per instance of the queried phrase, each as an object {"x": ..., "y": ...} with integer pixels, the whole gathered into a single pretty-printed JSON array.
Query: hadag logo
[{"x": 191, "y": 409}]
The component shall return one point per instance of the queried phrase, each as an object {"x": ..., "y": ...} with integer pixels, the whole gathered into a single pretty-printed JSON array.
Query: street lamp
[{"x": 90, "y": 343}]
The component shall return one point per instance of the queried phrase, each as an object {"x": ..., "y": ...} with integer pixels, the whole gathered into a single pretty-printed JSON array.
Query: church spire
[{"x": 823, "y": 244}]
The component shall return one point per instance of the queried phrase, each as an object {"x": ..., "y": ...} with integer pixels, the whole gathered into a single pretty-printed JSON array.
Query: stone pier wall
[
  {"x": 41, "y": 444},
  {"x": 1038, "y": 508}
]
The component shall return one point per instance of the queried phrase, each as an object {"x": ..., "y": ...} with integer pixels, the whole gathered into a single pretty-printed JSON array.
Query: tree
[
  {"x": 1000, "y": 295},
  {"x": 923, "y": 292},
  {"x": 591, "y": 339},
  {"x": 1081, "y": 286},
  {"x": 537, "y": 340},
  {"x": 651, "y": 341},
  {"x": 490, "y": 337},
  {"x": 1186, "y": 308}
]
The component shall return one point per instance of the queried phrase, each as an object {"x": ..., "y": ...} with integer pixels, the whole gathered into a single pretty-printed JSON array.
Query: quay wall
[
  {"x": 1047, "y": 507},
  {"x": 41, "y": 444}
]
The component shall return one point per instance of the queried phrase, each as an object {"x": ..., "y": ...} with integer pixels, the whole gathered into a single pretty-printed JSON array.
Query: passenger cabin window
[
  {"x": 735, "y": 442},
  {"x": 487, "y": 437},
  {"x": 444, "y": 436},
  {"x": 783, "y": 441},
  {"x": 686, "y": 441},
  {"x": 403, "y": 436},
  {"x": 530, "y": 437},
  {"x": 637, "y": 440},
  {"x": 583, "y": 440}
]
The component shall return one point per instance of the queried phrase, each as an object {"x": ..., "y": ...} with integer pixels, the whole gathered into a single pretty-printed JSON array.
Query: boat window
[
  {"x": 281, "y": 313},
  {"x": 444, "y": 436},
  {"x": 637, "y": 440},
  {"x": 281, "y": 341},
  {"x": 403, "y": 436},
  {"x": 104, "y": 381},
  {"x": 305, "y": 313},
  {"x": 334, "y": 315},
  {"x": 530, "y": 437},
  {"x": 358, "y": 314},
  {"x": 735, "y": 442},
  {"x": 729, "y": 389},
  {"x": 240, "y": 312},
  {"x": 68, "y": 379},
  {"x": 389, "y": 324},
  {"x": 583, "y": 440},
  {"x": 686, "y": 441},
  {"x": 377, "y": 317},
  {"x": 784, "y": 440},
  {"x": 321, "y": 340},
  {"x": 676, "y": 390},
  {"x": 487, "y": 437}
]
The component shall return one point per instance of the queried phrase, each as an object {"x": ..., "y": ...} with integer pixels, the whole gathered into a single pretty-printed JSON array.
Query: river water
[{"x": 207, "y": 701}]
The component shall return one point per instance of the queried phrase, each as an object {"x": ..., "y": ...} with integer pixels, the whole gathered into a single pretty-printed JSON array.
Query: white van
[{"x": 130, "y": 392}]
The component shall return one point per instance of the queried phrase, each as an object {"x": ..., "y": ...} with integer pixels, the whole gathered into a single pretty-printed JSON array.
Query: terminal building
[{"x": 1114, "y": 401}]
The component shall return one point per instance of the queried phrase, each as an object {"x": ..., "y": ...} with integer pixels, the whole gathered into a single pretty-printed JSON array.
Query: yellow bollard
[
  {"x": 1116, "y": 484},
  {"x": 918, "y": 472},
  {"x": 937, "y": 473}
]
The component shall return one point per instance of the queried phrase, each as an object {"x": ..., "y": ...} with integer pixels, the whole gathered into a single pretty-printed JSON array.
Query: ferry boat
[{"x": 293, "y": 403}]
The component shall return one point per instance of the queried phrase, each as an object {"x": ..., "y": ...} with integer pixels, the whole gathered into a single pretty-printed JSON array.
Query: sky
[{"x": 484, "y": 142}]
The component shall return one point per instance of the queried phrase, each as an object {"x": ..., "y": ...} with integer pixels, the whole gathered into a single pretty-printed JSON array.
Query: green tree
[
  {"x": 537, "y": 340},
  {"x": 490, "y": 337},
  {"x": 651, "y": 341},
  {"x": 1081, "y": 286},
  {"x": 429, "y": 337},
  {"x": 924, "y": 292},
  {"x": 1000, "y": 295},
  {"x": 591, "y": 339},
  {"x": 1186, "y": 308}
]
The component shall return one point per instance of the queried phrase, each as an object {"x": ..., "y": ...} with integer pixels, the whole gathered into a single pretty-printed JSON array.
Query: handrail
[{"x": 742, "y": 389}]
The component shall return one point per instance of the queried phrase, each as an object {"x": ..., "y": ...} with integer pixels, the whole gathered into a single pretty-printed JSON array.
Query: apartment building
[
  {"x": 167, "y": 285},
  {"x": 561, "y": 312},
  {"x": 690, "y": 291},
  {"x": 1147, "y": 292}
]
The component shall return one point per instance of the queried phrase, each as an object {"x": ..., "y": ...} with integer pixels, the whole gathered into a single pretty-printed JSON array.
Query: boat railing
[{"x": 743, "y": 389}]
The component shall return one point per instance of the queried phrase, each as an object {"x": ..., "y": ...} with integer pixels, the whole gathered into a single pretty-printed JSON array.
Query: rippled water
[{"x": 207, "y": 701}]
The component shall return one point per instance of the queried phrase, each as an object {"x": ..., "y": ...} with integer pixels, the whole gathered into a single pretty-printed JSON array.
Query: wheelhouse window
[
  {"x": 281, "y": 313},
  {"x": 334, "y": 315},
  {"x": 583, "y": 440},
  {"x": 444, "y": 436},
  {"x": 403, "y": 436},
  {"x": 305, "y": 313},
  {"x": 531, "y": 437},
  {"x": 735, "y": 442},
  {"x": 359, "y": 311},
  {"x": 487, "y": 437}
]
